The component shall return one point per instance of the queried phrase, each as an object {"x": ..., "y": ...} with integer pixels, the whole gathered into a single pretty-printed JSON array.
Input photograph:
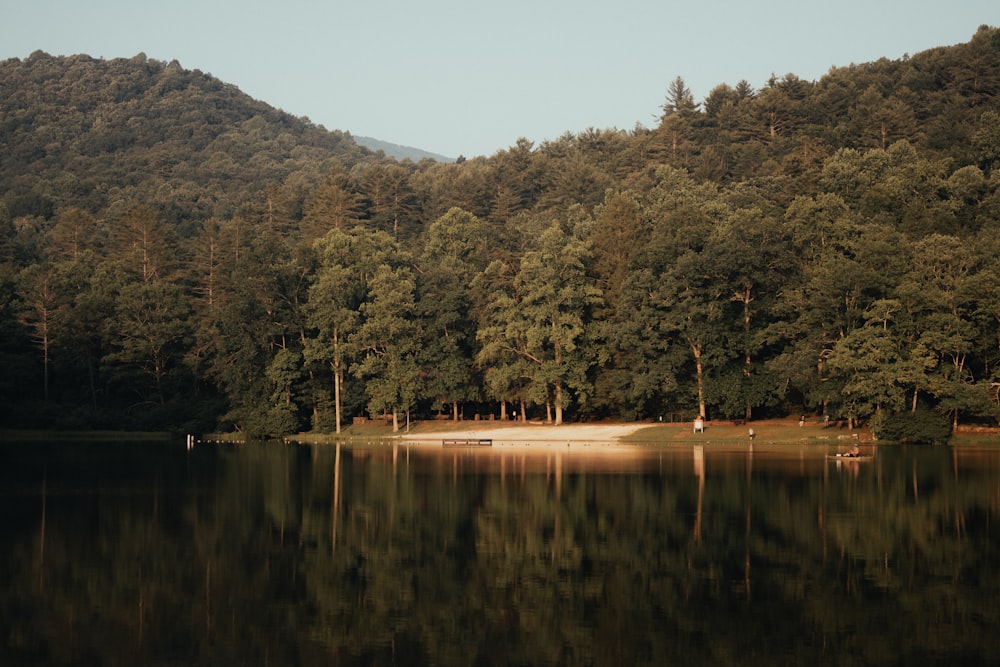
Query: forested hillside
[{"x": 174, "y": 254}]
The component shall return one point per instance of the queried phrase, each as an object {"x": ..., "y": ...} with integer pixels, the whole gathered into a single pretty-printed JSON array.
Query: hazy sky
[{"x": 464, "y": 77}]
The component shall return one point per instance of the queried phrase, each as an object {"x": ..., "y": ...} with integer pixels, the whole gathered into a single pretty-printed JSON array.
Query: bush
[{"x": 925, "y": 426}]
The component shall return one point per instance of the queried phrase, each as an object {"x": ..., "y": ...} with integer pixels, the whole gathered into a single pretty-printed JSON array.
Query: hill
[
  {"x": 83, "y": 131},
  {"x": 400, "y": 152},
  {"x": 175, "y": 254},
  {"x": 80, "y": 131}
]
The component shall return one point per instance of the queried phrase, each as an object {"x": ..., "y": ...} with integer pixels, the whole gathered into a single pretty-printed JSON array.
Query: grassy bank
[
  {"x": 766, "y": 430},
  {"x": 786, "y": 431}
]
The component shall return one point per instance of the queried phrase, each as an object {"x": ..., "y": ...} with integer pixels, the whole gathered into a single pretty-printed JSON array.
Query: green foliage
[
  {"x": 537, "y": 321},
  {"x": 924, "y": 426},
  {"x": 387, "y": 342},
  {"x": 96, "y": 129},
  {"x": 173, "y": 252}
]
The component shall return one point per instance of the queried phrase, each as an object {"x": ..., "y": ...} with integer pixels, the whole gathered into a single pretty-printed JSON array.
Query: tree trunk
[
  {"x": 45, "y": 363},
  {"x": 746, "y": 297},
  {"x": 337, "y": 377},
  {"x": 336, "y": 396},
  {"x": 559, "y": 410},
  {"x": 959, "y": 365},
  {"x": 696, "y": 351}
]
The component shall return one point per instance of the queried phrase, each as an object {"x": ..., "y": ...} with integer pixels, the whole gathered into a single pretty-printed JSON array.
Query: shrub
[{"x": 925, "y": 426}]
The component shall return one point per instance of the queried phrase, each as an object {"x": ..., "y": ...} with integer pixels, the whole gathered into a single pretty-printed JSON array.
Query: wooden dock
[{"x": 468, "y": 442}]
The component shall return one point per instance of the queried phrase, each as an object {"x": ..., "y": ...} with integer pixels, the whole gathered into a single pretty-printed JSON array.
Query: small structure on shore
[{"x": 468, "y": 442}]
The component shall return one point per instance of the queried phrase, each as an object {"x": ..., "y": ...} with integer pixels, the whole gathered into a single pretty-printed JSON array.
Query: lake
[{"x": 274, "y": 554}]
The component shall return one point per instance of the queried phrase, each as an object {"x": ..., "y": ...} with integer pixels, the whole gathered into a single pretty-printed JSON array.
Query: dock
[{"x": 468, "y": 442}]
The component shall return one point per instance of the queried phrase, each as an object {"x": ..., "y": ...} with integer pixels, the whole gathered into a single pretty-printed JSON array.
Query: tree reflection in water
[{"x": 277, "y": 554}]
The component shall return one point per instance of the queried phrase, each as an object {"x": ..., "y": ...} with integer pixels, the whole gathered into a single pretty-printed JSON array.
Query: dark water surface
[{"x": 149, "y": 554}]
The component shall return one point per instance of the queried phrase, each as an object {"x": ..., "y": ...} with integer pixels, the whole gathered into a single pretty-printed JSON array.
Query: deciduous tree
[
  {"x": 387, "y": 341},
  {"x": 542, "y": 318}
]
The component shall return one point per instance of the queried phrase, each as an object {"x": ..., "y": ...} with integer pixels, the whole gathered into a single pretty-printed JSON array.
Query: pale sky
[{"x": 466, "y": 77}]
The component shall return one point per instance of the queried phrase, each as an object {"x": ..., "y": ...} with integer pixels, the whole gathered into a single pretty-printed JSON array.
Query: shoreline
[
  {"x": 524, "y": 434},
  {"x": 765, "y": 430}
]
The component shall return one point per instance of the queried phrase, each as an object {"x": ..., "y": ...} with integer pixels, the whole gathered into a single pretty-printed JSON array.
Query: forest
[{"x": 175, "y": 255}]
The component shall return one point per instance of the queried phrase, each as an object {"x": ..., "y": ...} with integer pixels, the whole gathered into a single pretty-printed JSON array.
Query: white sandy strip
[{"x": 542, "y": 435}]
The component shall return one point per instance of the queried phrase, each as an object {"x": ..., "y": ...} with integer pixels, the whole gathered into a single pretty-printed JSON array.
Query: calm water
[{"x": 292, "y": 555}]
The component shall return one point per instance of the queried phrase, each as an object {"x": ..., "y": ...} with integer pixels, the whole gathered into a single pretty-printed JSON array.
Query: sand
[{"x": 531, "y": 433}]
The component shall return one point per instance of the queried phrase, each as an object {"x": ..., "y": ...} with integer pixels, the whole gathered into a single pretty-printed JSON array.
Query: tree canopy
[{"x": 174, "y": 254}]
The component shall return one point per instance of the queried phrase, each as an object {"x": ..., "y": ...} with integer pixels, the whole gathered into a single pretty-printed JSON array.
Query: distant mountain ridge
[{"x": 399, "y": 152}]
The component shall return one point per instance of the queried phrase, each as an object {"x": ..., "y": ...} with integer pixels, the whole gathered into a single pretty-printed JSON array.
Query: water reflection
[{"x": 715, "y": 554}]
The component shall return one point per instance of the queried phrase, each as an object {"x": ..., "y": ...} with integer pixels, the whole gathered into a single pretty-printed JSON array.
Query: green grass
[
  {"x": 975, "y": 439},
  {"x": 770, "y": 431}
]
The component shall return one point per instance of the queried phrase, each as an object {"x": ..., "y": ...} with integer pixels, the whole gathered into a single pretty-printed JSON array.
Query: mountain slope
[
  {"x": 106, "y": 129},
  {"x": 79, "y": 131}
]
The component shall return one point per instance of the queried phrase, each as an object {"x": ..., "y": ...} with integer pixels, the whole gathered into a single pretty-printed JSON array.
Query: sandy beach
[
  {"x": 608, "y": 434},
  {"x": 521, "y": 434}
]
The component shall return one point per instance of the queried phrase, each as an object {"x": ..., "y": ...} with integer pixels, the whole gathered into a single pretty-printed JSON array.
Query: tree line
[{"x": 764, "y": 252}]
